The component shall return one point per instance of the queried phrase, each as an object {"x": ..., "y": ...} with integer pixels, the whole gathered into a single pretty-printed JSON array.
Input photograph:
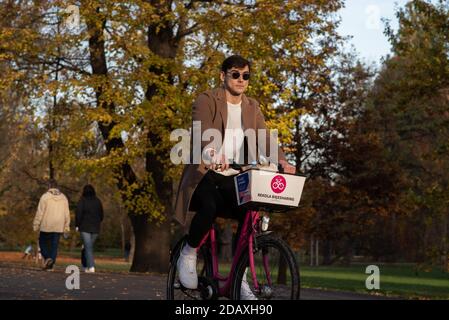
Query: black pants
[{"x": 213, "y": 197}]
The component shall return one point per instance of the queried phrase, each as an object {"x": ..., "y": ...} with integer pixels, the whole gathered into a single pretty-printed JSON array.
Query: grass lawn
[{"x": 395, "y": 280}]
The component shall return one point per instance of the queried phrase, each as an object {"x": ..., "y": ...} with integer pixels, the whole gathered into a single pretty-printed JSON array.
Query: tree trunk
[
  {"x": 445, "y": 244},
  {"x": 132, "y": 248},
  {"x": 425, "y": 245},
  {"x": 127, "y": 235},
  {"x": 311, "y": 250},
  {"x": 122, "y": 230},
  {"x": 349, "y": 253},
  {"x": 327, "y": 252},
  {"x": 153, "y": 241},
  {"x": 152, "y": 245}
]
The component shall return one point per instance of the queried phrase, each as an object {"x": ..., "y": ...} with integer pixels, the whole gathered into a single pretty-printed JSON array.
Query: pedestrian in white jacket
[{"x": 51, "y": 220}]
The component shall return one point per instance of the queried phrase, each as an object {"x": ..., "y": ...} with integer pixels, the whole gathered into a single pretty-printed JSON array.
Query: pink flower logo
[{"x": 278, "y": 184}]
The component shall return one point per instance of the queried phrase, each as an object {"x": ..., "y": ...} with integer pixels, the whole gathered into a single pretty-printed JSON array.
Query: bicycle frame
[{"x": 246, "y": 238}]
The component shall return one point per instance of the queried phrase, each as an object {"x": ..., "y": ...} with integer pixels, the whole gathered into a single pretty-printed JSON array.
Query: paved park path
[{"x": 31, "y": 283}]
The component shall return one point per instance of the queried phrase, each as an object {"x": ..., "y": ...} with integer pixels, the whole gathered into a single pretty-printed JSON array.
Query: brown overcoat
[{"x": 211, "y": 109}]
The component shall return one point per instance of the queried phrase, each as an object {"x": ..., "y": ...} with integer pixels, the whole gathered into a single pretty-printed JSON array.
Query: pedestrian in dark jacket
[{"x": 89, "y": 215}]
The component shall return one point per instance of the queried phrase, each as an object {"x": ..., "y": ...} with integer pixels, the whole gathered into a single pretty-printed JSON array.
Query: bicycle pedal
[{"x": 207, "y": 288}]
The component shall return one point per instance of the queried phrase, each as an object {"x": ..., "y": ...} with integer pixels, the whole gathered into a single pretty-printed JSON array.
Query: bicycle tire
[
  {"x": 264, "y": 242},
  {"x": 171, "y": 278}
]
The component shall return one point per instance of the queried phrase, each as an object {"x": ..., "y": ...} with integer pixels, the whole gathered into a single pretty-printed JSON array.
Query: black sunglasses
[{"x": 235, "y": 75}]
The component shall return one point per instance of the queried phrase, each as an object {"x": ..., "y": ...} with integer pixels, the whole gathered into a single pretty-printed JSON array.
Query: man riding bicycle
[{"x": 208, "y": 187}]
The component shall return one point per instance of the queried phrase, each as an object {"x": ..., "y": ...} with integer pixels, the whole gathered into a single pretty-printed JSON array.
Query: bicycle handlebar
[{"x": 244, "y": 167}]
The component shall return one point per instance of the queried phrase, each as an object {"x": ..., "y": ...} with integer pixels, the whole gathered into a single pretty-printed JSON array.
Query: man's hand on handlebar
[
  {"x": 288, "y": 168},
  {"x": 219, "y": 163}
]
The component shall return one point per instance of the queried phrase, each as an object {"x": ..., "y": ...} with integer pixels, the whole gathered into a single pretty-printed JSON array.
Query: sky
[{"x": 362, "y": 20}]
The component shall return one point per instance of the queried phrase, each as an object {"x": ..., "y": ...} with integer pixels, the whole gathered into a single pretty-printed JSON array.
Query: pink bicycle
[{"x": 273, "y": 270}]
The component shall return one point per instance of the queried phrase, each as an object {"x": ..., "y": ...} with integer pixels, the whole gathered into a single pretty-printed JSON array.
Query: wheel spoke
[{"x": 276, "y": 271}]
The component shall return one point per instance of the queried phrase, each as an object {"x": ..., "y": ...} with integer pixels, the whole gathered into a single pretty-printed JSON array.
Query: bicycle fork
[
  {"x": 251, "y": 261},
  {"x": 252, "y": 247}
]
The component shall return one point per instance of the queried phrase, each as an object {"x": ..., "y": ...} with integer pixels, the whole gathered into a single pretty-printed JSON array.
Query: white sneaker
[
  {"x": 89, "y": 270},
  {"x": 245, "y": 290},
  {"x": 186, "y": 266}
]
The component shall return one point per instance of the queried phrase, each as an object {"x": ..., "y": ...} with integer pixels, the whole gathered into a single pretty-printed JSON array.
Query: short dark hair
[
  {"x": 235, "y": 61},
  {"x": 88, "y": 191},
  {"x": 52, "y": 183}
]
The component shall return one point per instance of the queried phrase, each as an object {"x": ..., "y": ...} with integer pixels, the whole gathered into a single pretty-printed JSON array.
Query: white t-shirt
[{"x": 234, "y": 136}]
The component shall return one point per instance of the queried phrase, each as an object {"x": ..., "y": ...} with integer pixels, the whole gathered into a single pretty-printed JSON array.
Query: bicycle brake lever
[{"x": 236, "y": 166}]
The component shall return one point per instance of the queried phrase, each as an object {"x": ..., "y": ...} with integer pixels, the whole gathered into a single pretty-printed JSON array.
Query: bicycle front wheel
[{"x": 276, "y": 270}]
